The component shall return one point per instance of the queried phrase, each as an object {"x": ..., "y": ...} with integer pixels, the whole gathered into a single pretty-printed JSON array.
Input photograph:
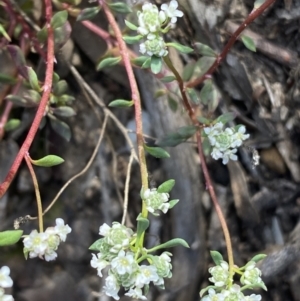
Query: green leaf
[
  {"x": 166, "y": 186},
  {"x": 204, "y": 120},
  {"x": 48, "y": 161},
  {"x": 10, "y": 237},
  {"x": 88, "y": 13},
  {"x": 59, "y": 19},
  {"x": 64, "y": 111},
  {"x": 156, "y": 152},
  {"x": 205, "y": 50},
  {"x": 120, "y": 7},
  {"x": 156, "y": 64},
  {"x": 132, "y": 39},
  {"x": 226, "y": 117},
  {"x": 173, "y": 203},
  {"x": 140, "y": 60},
  {"x": 142, "y": 226},
  {"x": 172, "y": 139},
  {"x": 60, "y": 88},
  {"x": 203, "y": 64},
  {"x": 60, "y": 127},
  {"x": 33, "y": 80},
  {"x": 160, "y": 92},
  {"x": 61, "y": 35},
  {"x": 19, "y": 101},
  {"x": 96, "y": 246},
  {"x": 206, "y": 92},
  {"x": 258, "y": 257},
  {"x": 131, "y": 25},
  {"x": 4, "y": 33},
  {"x": 64, "y": 99},
  {"x": 108, "y": 62},
  {"x": 187, "y": 131},
  {"x": 12, "y": 124},
  {"x": 188, "y": 71},
  {"x": 172, "y": 103},
  {"x": 170, "y": 244},
  {"x": 249, "y": 43},
  {"x": 168, "y": 79},
  {"x": 217, "y": 257},
  {"x": 147, "y": 63},
  {"x": 193, "y": 95},
  {"x": 180, "y": 47},
  {"x": 56, "y": 78},
  {"x": 7, "y": 79},
  {"x": 206, "y": 146},
  {"x": 42, "y": 35},
  {"x": 121, "y": 103}
]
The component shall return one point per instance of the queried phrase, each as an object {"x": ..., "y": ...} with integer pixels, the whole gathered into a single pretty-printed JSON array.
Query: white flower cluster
[
  {"x": 44, "y": 245},
  {"x": 5, "y": 281},
  {"x": 124, "y": 269},
  {"x": 221, "y": 291},
  {"x": 225, "y": 142},
  {"x": 155, "y": 200},
  {"x": 153, "y": 23}
]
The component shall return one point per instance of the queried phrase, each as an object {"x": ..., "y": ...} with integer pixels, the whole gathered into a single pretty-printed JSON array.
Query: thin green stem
[{"x": 37, "y": 192}]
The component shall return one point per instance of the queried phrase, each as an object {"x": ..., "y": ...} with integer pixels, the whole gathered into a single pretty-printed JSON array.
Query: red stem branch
[
  {"x": 253, "y": 15},
  {"x": 42, "y": 106}
]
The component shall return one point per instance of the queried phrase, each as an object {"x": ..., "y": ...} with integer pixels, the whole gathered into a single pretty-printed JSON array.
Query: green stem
[{"x": 37, "y": 192}]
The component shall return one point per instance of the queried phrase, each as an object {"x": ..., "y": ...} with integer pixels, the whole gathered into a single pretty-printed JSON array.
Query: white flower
[
  {"x": 98, "y": 263},
  {"x": 50, "y": 255},
  {"x": 220, "y": 274},
  {"x": 213, "y": 296},
  {"x": 240, "y": 136},
  {"x": 124, "y": 263},
  {"x": 253, "y": 297},
  {"x": 104, "y": 229},
  {"x": 146, "y": 274},
  {"x": 4, "y": 297},
  {"x": 171, "y": 11},
  {"x": 61, "y": 229},
  {"x": 136, "y": 293},
  {"x": 229, "y": 154},
  {"x": 252, "y": 275},
  {"x": 111, "y": 287},
  {"x": 234, "y": 293},
  {"x": 216, "y": 153},
  {"x": 156, "y": 201},
  {"x": 36, "y": 244},
  {"x": 150, "y": 20},
  {"x": 154, "y": 45},
  {"x": 5, "y": 280}
]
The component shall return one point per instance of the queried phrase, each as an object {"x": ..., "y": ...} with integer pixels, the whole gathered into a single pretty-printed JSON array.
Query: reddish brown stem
[
  {"x": 42, "y": 106},
  {"x": 253, "y": 15}
]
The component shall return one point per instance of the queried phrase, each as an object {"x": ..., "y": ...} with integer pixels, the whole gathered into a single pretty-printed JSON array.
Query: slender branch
[
  {"x": 252, "y": 16},
  {"x": 216, "y": 205},
  {"x": 41, "y": 109},
  {"x": 135, "y": 96},
  {"x": 126, "y": 190},
  {"x": 37, "y": 192}
]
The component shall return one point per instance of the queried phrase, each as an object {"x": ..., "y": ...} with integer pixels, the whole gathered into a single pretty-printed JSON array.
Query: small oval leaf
[
  {"x": 88, "y": 13},
  {"x": 59, "y": 19},
  {"x": 187, "y": 131},
  {"x": 172, "y": 139},
  {"x": 48, "y": 161},
  {"x": 132, "y": 39},
  {"x": 166, "y": 186},
  {"x": 168, "y": 79},
  {"x": 258, "y": 257},
  {"x": 6, "y": 79},
  {"x": 121, "y": 103},
  {"x": 156, "y": 64},
  {"x": 64, "y": 111},
  {"x": 157, "y": 152},
  {"x": 131, "y": 25},
  {"x": 10, "y": 237},
  {"x": 60, "y": 88},
  {"x": 173, "y": 203},
  {"x": 108, "y": 62},
  {"x": 205, "y": 50},
  {"x": 12, "y": 124},
  {"x": 120, "y": 7},
  {"x": 60, "y": 127},
  {"x": 170, "y": 244},
  {"x": 140, "y": 60},
  {"x": 180, "y": 47},
  {"x": 249, "y": 43},
  {"x": 217, "y": 257},
  {"x": 33, "y": 80},
  {"x": 142, "y": 226},
  {"x": 226, "y": 117}
]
